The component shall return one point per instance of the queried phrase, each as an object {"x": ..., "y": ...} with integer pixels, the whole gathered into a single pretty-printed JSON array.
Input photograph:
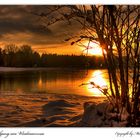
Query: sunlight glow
[
  {"x": 99, "y": 79},
  {"x": 93, "y": 48},
  {"x": 40, "y": 83}
]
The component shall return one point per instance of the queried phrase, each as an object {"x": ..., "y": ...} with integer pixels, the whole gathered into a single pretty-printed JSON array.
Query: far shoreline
[{"x": 6, "y": 69}]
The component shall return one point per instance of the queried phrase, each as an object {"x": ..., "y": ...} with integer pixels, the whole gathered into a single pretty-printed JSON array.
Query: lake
[
  {"x": 51, "y": 80},
  {"x": 25, "y": 92}
]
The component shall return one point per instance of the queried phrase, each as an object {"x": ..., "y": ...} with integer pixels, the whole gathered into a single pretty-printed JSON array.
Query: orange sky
[
  {"x": 64, "y": 48},
  {"x": 18, "y": 26}
]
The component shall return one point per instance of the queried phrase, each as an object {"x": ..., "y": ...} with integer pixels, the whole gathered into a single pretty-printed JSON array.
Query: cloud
[
  {"x": 20, "y": 26},
  {"x": 15, "y": 19}
]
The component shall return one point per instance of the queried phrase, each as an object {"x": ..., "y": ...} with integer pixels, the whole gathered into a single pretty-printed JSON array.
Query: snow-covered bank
[
  {"x": 102, "y": 115},
  {"x": 42, "y": 109},
  {"x": 58, "y": 110},
  {"x": 62, "y": 113}
]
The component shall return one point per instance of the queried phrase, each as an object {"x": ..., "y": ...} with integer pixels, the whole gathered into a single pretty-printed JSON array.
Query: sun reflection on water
[
  {"x": 40, "y": 83},
  {"x": 100, "y": 79}
]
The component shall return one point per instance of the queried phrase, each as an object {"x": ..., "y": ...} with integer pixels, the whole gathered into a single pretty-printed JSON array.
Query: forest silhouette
[{"x": 24, "y": 56}]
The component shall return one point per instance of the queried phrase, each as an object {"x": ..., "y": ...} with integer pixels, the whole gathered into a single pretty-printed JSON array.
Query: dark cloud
[
  {"x": 17, "y": 19},
  {"x": 20, "y": 24},
  {"x": 14, "y": 26}
]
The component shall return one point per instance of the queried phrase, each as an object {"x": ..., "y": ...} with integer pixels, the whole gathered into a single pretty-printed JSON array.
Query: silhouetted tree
[
  {"x": 9, "y": 51},
  {"x": 26, "y": 54},
  {"x": 1, "y": 58},
  {"x": 117, "y": 30}
]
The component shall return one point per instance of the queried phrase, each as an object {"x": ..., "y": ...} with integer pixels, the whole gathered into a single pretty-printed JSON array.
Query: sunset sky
[{"x": 19, "y": 26}]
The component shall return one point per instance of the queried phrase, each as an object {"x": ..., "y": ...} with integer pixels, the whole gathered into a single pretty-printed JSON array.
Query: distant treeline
[{"x": 24, "y": 56}]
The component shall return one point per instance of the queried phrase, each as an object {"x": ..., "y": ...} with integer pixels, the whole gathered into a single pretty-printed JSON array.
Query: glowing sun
[{"x": 93, "y": 48}]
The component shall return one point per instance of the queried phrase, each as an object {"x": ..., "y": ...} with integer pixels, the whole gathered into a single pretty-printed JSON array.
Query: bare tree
[{"x": 117, "y": 29}]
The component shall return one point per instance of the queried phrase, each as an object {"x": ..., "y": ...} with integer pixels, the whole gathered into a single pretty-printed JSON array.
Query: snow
[
  {"x": 101, "y": 115},
  {"x": 53, "y": 110}
]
